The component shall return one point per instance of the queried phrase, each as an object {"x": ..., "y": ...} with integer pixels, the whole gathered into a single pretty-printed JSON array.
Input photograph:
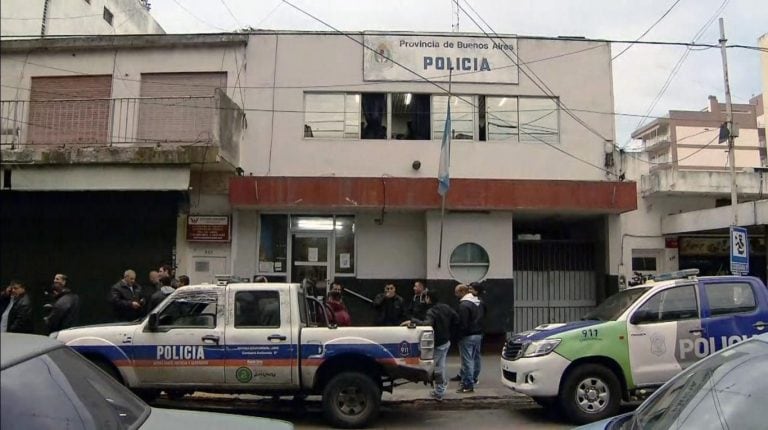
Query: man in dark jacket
[
  {"x": 165, "y": 290},
  {"x": 444, "y": 320},
  {"x": 470, "y": 336},
  {"x": 65, "y": 312},
  {"x": 126, "y": 298},
  {"x": 389, "y": 306},
  {"x": 16, "y": 309},
  {"x": 418, "y": 307}
]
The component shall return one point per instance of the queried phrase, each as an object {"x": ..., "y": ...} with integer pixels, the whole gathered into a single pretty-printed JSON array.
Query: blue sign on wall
[{"x": 739, "y": 251}]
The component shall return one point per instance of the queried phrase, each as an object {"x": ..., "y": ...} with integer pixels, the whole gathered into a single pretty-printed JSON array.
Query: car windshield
[
  {"x": 719, "y": 392},
  {"x": 61, "y": 389},
  {"x": 615, "y": 305}
]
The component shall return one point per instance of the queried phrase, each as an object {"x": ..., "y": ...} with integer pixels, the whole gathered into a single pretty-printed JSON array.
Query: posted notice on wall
[
  {"x": 208, "y": 228},
  {"x": 312, "y": 254},
  {"x": 344, "y": 260},
  {"x": 472, "y": 58}
]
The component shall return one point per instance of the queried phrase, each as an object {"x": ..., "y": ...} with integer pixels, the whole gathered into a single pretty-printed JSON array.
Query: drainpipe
[{"x": 45, "y": 17}]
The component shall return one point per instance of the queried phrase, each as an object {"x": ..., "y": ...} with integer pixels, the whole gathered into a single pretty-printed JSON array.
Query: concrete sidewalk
[{"x": 489, "y": 387}]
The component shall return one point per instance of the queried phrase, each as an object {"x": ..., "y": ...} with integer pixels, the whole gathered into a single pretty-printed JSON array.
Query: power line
[
  {"x": 540, "y": 83},
  {"x": 267, "y": 16},
  {"x": 148, "y": 101},
  {"x": 648, "y": 30},
  {"x": 267, "y": 86},
  {"x": 676, "y": 69},
  {"x": 237, "y": 21},
  {"x": 189, "y": 12}
]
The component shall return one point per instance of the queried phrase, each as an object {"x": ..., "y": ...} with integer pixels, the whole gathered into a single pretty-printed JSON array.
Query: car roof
[{"x": 18, "y": 347}]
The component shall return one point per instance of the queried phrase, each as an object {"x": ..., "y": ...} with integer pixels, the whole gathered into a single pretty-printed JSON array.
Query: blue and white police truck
[
  {"x": 259, "y": 338},
  {"x": 634, "y": 342}
]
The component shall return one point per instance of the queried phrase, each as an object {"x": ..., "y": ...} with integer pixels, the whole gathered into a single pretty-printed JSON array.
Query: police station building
[
  {"x": 341, "y": 156},
  {"x": 321, "y": 157}
]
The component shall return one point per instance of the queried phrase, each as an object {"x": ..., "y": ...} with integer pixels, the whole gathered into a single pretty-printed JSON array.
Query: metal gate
[{"x": 555, "y": 281}]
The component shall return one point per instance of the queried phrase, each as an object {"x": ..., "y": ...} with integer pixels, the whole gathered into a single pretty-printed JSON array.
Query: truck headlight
[
  {"x": 541, "y": 347},
  {"x": 427, "y": 345}
]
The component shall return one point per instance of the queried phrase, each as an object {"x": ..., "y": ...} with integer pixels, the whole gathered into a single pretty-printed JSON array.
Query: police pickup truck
[
  {"x": 633, "y": 342},
  {"x": 261, "y": 339}
]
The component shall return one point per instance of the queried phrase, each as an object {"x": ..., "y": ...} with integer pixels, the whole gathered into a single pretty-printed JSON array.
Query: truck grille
[{"x": 512, "y": 350}]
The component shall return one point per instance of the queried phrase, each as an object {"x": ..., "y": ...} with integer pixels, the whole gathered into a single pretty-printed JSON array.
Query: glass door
[{"x": 310, "y": 256}]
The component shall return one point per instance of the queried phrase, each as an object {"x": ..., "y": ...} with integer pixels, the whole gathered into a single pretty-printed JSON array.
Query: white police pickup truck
[
  {"x": 633, "y": 342},
  {"x": 262, "y": 339}
]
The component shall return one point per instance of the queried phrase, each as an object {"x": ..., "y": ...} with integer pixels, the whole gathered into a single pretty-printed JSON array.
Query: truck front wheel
[
  {"x": 591, "y": 392},
  {"x": 351, "y": 400}
]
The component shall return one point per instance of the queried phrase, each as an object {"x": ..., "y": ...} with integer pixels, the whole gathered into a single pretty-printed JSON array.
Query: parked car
[
  {"x": 46, "y": 385},
  {"x": 267, "y": 339},
  {"x": 633, "y": 342},
  {"x": 723, "y": 391}
]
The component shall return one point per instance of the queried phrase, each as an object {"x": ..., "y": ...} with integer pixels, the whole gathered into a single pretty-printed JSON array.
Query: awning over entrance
[
  {"x": 421, "y": 194},
  {"x": 97, "y": 178}
]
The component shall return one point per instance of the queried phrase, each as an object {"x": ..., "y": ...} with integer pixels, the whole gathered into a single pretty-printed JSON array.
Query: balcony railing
[
  {"x": 116, "y": 121},
  {"x": 168, "y": 122}
]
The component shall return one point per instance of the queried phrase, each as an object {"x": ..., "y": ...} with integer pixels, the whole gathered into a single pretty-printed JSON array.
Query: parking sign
[{"x": 739, "y": 251}]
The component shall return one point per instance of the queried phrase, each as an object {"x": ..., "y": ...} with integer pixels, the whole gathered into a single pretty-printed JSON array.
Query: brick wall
[{"x": 63, "y": 110}]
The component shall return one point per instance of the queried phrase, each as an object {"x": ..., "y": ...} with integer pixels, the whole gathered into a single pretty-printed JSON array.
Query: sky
[{"x": 639, "y": 74}]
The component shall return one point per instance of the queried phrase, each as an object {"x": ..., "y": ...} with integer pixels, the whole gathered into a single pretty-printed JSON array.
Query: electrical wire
[
  {"x": 189, "y": 12},
  {"x": 678, "y": 65},
  {"x": 149, "y": 101},
  {"x": 648, "y": 30},
  {"x": 237, "y": 21}
]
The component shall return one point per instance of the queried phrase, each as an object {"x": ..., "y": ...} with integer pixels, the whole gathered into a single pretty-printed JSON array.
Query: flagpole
[{"x": 442, "y": 203}]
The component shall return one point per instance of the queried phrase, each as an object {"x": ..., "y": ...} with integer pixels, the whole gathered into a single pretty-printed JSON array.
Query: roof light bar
[{"x": 680, "y": 274}]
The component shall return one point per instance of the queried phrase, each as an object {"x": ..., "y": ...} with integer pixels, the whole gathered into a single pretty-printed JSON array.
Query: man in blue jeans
[
  {"x": 470, "y": 336},
  {"x": 443, "y": 319}
]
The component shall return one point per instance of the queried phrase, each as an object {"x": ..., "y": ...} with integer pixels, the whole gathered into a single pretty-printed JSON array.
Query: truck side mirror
[{"x": 152, "y": 322}]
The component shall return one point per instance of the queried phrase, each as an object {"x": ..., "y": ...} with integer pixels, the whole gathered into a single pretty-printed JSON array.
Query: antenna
[{"x": 455, "y": 11}]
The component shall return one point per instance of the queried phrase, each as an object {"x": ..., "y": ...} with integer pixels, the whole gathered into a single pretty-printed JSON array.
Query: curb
[{"x": 267, "y": 404}]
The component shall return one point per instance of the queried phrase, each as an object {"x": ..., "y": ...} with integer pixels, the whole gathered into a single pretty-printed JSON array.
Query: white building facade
[
  {"x": 76, "y": 17},
  {"x": 322, "y": 157}
]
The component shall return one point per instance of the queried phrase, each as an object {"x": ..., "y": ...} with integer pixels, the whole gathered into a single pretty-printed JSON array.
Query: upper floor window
[
  {"x": 332, "y": 115},
  {"x": 538, "y": 120},
  {"x": 501, "y": 119},
  {"x": 411, "y": 116},
  {"x": 462, "y": 116}
]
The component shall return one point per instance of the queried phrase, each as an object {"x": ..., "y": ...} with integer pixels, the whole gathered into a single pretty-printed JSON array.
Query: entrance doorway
[{"x": 310, "y": 256}]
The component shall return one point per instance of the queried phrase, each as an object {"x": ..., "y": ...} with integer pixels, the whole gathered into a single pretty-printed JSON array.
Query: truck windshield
[{"x": 615, "y": 305}]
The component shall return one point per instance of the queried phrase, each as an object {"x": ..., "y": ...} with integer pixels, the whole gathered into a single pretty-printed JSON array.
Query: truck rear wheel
[
  {"x": 591, "y": 392},
  {"x": 351, "y": 400}
]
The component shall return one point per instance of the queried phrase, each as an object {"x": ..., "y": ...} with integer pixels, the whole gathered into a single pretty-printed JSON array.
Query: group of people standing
[
  {"x": 464, "y": 325},
  {"x": 131, "y": 301},
  {"x": 16, "y": 307}
]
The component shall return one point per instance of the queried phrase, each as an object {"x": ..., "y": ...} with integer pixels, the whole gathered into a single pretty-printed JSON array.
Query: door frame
[{"x": 330, "y": 252}]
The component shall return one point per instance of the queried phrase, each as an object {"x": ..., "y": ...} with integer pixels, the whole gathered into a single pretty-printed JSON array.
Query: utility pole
[{"x": 729, "y": 122}]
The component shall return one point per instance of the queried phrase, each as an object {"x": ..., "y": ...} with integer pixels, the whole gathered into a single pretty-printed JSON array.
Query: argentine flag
[{"x": 443, "y": 178}]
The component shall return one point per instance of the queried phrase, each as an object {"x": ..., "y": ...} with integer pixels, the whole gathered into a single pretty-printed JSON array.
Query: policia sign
[{"x": 472, "y": 59}]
